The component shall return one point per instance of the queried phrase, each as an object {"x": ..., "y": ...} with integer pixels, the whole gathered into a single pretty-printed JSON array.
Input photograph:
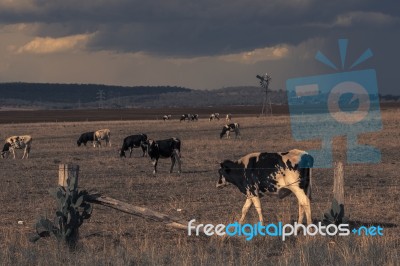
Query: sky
[{"x": 202, "y": 44}]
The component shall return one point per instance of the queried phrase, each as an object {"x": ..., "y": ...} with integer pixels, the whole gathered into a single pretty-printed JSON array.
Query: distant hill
[
  {"x": 89, "y": 96},
  {"x": 73, "y": 93},
  {"x": 76, "y": 96}
]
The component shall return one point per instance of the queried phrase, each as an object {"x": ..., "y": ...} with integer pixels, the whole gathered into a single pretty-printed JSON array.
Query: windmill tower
[
  {"x": 100, "y": 96},
  {"x": 264, "y": 83}
]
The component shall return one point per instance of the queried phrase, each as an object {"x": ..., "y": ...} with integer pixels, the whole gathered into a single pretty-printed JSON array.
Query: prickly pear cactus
[
  {"x": 72, "y": 211},
  {"x": 335, "y": 214}
]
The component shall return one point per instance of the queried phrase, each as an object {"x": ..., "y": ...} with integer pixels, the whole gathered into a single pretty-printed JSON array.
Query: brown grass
[{"x": 114, "y": 238}]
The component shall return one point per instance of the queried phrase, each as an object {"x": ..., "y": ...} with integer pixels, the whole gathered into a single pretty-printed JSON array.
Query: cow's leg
[
  {"x": 130, "y": 152},
  {"x": 257, "y": 205},
  {"x": 13, "y": 151},
  {"x": 155, "y": 166},
  {"x": 237, "y": 132},
  {"x": 301, "y": 214},
  {"x": 245, "y": 209},
  {"x": 304, "y": 204},
  {"x": 173, "y": 160},
  {"x": 177, "y": 158},
  {"x": 25, "y": 153}
]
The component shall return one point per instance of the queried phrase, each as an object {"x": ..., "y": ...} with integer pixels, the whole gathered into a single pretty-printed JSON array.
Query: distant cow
[
  {"x": 166, "y": 117},
  {"x": 17, "y": 142},
  {"x": 134, "y": 141},
  {"x": 184, "y": 117},
  {"x": 230, "y": 128},
  {"x": 214, "y": 116},
  {"x": 86, "y": 137},
  {"x": 102, "y": 134},
  {"x": 228, "y": 118},
  {"x": 168, "y": 148},
  {"x": 279, "y": 173},
  {"x": 194, "y": 117}
]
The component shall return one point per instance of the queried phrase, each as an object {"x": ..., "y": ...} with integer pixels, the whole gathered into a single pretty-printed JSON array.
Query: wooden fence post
[
  {"x": 68, "y": 172},
  {"x": 338, "y": 183}
]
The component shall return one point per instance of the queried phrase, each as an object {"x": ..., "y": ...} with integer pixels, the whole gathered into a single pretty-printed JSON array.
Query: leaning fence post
[{"x": 68, "y": 173}]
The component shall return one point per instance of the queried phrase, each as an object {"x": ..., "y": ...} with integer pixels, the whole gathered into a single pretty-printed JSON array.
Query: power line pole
[
  {"x": 100, "y": 96},
  {"x": 264, "y": 83}
]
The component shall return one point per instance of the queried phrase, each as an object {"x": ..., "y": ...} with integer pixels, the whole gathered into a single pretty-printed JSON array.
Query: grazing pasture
[{"x": 110, "y": 237}]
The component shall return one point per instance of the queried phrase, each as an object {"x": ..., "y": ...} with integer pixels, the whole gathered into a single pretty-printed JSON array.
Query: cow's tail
[
  {"x": 308, "y": 191},
  {"x": 307, "y": 162}
]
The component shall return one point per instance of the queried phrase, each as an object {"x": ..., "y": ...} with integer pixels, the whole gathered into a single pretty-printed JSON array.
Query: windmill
[{"x": 264, "y": 83}]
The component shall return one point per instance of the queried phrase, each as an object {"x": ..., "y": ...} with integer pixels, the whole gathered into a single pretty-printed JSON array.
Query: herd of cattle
[
  {"x": 195, "y": 117},
  {"x": 254, "y": 174}
]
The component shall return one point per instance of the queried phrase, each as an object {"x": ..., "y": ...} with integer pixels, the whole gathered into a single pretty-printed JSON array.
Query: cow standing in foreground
[
  {"x": 168, "y": 148},
  {"x": 278, "y": 173},
  {"x": 230, "y": 128},
  {"x": 134, "y": 141},
  {"x": 17, "y": 142},
  {"x": 102, "y": 134}
]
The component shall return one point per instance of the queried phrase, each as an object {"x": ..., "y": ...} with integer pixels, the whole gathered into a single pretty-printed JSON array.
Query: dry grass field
[{"x": 114, "y": 238}]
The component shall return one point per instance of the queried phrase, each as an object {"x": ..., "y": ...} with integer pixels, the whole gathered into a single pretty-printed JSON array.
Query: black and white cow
[
  {"x": 85, "y": 137},
  {"x": 17, "y": 142},
  {"x": 194, "y": 117},
  {"x": 279, "y": 173},
  {"x": 102, "y": 134},
  {"x": 214, "y": 116},
  {"x": 134, "y": 141},
  {"x": 167, "y": 117},
  {"x": 234, "y": 127},
  {"x": 168, "y": 148},
  {"x": 184, "y": 117}
]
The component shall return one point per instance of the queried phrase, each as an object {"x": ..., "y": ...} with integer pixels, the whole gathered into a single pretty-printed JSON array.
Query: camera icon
[{"x": 340, "y": 104}]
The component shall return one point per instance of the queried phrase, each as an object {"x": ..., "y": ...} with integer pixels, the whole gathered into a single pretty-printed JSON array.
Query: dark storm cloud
[{"x": 197, "y": 28}]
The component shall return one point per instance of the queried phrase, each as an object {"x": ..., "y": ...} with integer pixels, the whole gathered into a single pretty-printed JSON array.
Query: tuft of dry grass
[{"x": 114, "y": 238}]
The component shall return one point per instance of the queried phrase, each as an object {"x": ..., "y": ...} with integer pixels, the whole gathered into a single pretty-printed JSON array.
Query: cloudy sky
[{"x": 203, "y": 44}]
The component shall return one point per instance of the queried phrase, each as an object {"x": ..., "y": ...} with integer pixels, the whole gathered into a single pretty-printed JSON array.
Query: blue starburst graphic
[{"x": 340, "y": 104}]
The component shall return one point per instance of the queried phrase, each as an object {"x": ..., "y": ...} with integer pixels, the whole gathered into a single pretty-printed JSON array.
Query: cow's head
[
  {"x": 224, "y": 129},
  {"x": 6, "y": 150},
  {"x": 224, "y": 172},
  {"x": 145, "y": 146},
  {"x": 152, "y": 146},
  {"x": 122, "y": 153},
  {"x": 79, "y": 142}
]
